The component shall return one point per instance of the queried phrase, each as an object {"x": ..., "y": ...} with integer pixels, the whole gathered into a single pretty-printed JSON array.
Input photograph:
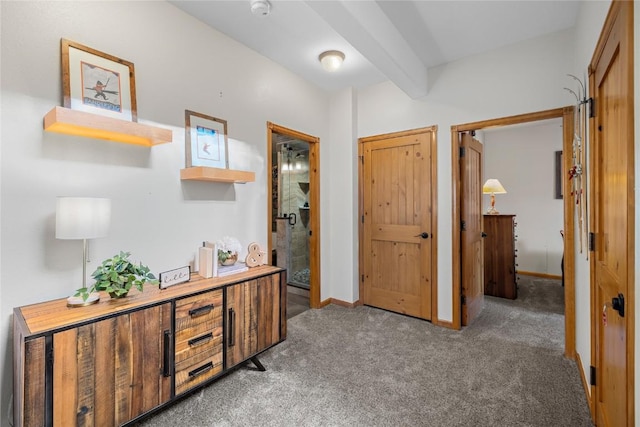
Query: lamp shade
[
  {"x": 331, "y": 60},
  {"x": 493, "y": 186},
  {"x": 82, "y": 217}
]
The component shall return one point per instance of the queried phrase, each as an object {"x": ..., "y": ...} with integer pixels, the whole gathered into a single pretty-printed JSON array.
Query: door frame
[
  {"x": 616, "y": 8},
  {"x": 314, "y": 202},
  {"x": 434, "y": 212},
  {"x": 566, "y": 114}
]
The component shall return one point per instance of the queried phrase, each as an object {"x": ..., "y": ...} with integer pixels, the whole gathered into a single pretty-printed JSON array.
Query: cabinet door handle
[
  {"x": 202, "y": 369},
  {"x": 166, "y": 363},
  {"x": 200, "y": 310},
  {"x": 232, "y": 327},
  {"x": 201, "y": 339}
]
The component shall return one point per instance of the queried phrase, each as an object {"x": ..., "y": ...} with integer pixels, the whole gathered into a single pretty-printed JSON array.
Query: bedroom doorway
[
  {"x": 293, "y": 212},
  {"x": 566, "y": 115}
]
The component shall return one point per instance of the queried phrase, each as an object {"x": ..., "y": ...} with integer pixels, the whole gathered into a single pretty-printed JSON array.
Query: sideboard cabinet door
[
  {"x": 253, "y": 317},
  {"x": 108, "y": 372}
]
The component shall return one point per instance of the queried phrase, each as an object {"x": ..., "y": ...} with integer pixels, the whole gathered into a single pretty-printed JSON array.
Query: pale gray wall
[
  {"x": 179, "y": 64},
  {"x": 522, "y": 158},
  {"x": 517, "y": 79}
]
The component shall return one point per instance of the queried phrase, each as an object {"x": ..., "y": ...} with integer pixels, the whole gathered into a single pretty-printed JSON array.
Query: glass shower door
[{"x": 292, "y": 231}]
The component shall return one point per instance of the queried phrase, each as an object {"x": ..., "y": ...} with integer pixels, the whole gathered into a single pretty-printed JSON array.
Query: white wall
[
  {"x": 521, "y": 78},
  {"x": 179, "y": 64},
  {"x": 522, "y": 158},
  {"x": 590, "y": 21},
  {"x": 342, "y": 281}
]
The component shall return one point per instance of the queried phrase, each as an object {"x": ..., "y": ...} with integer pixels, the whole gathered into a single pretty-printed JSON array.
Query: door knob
[
  {"x": 483, "y": 234},
  {"x": 423, "y": 235},
  {"x": 617, "y": 303}
]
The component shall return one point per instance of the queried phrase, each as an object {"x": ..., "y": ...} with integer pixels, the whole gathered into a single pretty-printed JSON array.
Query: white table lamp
[{"x": 82, "y": 218}]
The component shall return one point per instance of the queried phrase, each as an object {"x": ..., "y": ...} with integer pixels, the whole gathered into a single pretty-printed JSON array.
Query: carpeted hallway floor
[{"x": 368, "y": 367}]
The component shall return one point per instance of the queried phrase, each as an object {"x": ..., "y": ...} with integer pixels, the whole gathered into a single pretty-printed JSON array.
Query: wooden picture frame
[
  {"x": 98, "y": 83},
  {"x": 559, "y": 175},
  {"x": 205, "y": 140}
]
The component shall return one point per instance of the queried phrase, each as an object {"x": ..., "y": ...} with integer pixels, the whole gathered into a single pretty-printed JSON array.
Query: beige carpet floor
[{"x": 368, "y": 367}]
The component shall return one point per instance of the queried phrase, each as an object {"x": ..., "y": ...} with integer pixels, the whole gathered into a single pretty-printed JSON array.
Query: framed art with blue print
[{"x": 206, "y": 141}]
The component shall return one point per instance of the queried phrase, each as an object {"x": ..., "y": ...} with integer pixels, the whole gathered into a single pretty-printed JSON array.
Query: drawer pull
[
  {"x": 200, "y": 310},
  {"x": 201, "y": 370},
  {"x": 201, "y": 339}
]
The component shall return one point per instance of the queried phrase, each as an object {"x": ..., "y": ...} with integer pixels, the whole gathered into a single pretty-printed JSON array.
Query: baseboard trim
[
  {"x": 444, "y": 323},
  {"x": 543, "y": 275},
  {"x": 585, "y": 385},
  {"x": 340, "y": 303}
]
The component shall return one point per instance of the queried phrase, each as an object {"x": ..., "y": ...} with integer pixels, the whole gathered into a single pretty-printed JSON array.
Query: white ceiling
[{"x": 393, "y": 40}]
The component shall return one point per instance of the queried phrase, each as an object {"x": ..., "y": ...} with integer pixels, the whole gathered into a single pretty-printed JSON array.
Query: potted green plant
[{"x": 117, "y": 275}]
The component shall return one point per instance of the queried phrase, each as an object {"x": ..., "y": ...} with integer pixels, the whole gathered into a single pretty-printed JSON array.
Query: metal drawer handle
[
  {"x": 202, "y": 369},
  {"x": 166, "y": 363},
  {"x": 201, "y": 339},
  {"x": 232, "y": 327},
  {"x": 200, "y": 310}
]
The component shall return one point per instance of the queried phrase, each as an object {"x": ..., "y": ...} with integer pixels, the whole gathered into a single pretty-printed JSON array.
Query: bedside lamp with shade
[
  {"x": 82, "y": 218},
  {"x": 492, "y": 186}
]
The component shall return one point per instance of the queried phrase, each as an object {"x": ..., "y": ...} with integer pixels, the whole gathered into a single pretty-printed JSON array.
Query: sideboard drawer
[
  {"x": 202, "y": 343},
  {"x": 198, "y": 339},
  {"x": 198, "y": 369},
  {"x": 202, "y": 308}
]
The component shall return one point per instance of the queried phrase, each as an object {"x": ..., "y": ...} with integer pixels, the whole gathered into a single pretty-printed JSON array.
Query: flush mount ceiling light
[
  {"x": 260, "y": 7},
  {"x": 331, "y": 60}
]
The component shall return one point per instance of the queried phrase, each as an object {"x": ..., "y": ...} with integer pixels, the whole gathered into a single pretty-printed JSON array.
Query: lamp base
[
  {"x": 492, "y": 211},
  {"x": 72, "y": 301}
]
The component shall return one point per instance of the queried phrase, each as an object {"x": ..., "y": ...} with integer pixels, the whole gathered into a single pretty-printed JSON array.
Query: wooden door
[
  {"x": 471, "y": 263},
  {"x": 613, "y": 218},
  {"x": 107, "y": 373},
  {"x": 253, "y": 317},
  {"x": 397, "y": 222}
]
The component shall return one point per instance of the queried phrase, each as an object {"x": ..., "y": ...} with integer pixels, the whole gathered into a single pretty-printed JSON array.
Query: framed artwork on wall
[
  {"x": 205, "y": 140},
  {"x": 98, "y": 83}
]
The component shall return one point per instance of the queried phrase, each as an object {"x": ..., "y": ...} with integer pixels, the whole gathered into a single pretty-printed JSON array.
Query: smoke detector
[{"x": 260, "y": 7}]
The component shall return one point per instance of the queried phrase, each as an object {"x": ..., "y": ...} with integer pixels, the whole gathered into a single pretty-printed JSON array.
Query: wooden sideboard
[
  {"x": 112, "y": 363},
  {"x": 500, "y": 256}
]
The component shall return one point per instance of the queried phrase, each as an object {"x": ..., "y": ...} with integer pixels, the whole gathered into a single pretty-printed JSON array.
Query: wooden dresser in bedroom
[{"x": 500, "y": 256}]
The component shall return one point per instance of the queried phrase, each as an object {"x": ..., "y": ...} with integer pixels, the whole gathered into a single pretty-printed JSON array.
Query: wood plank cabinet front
[
  {"x": 108, "y": 372},
  {"x": 253, "y": 318},
  {"x": 111, "y": 363}
]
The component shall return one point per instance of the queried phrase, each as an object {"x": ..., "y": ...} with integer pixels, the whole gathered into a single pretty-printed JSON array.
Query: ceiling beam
[{"x": 367, "y": 28}]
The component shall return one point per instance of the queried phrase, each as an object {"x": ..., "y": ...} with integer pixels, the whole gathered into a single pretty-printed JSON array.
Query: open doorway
[
  {"x": 566, "y": 114},
  {"x": 293, "y": 213}
]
